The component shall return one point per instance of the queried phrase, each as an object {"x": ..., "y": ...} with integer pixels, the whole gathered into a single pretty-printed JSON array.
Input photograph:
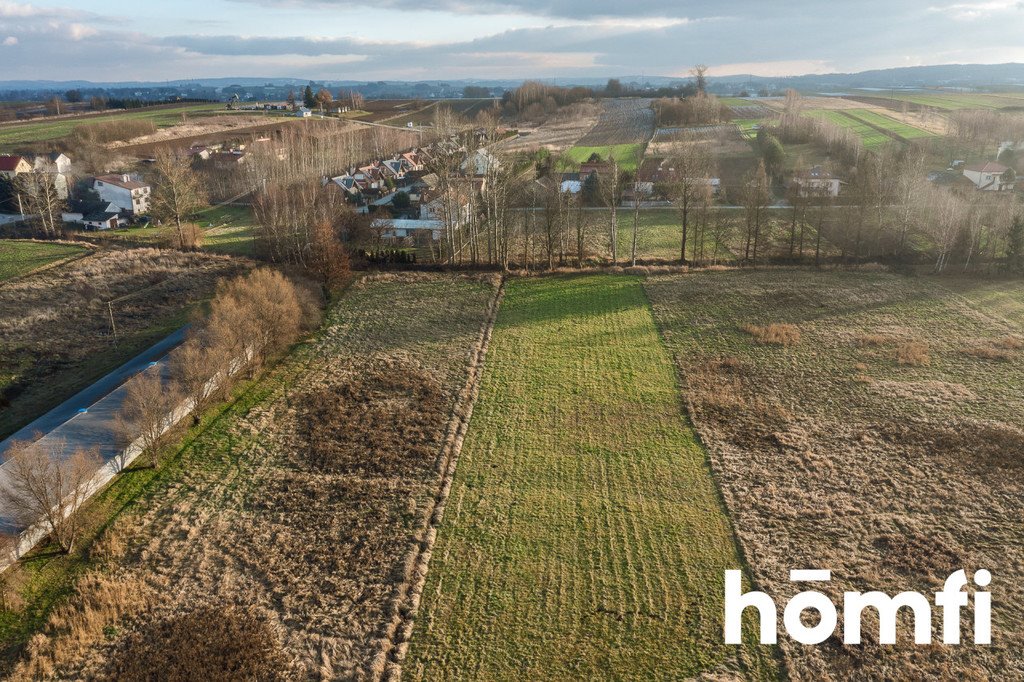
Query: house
[
  {"x": 991, "y": 176},
  {"x": 303, "y": 112},
  {"x": 817, "y": 182},
  {"x": 571, "y": 183},
  {"x": 593, "y": 165},
  {"x": 347, "y": 185},
  {"x": 13, "y": 166},
  {"x": 97, "y": 217},
  {"x": 55, "y": 162},
  {"x": 479, "y": 163},
  {"x": 124, "y": 191},
  {"x": 228, "y": 159},
  {"x": 400, "y": 228}
]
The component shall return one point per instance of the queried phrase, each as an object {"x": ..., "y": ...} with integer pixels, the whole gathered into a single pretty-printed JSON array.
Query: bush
[
  {"x": 774, "y": 334},
  {"x": 913, "y": 354}
]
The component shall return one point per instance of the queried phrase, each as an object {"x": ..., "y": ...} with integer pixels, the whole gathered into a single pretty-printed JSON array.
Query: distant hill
[{"x": 968, "y": 76}]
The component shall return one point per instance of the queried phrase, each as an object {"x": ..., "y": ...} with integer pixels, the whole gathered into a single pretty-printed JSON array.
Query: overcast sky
[{"x": 109, "y": 40}]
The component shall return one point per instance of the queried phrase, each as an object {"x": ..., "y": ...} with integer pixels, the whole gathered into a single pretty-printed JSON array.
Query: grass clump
[
  {"x": 776, "y": 334},
  {"x": 913, "y": 354}
]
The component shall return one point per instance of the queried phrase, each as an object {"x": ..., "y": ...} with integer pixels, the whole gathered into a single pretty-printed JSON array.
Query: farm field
[
  {"x": 22, "y": 257},
  {"x": 12, "y": 134},
  {"x": 895, "y": 401},
  {"x": 583, "y": 537},
  {"x": 870, "y": 137},
  {"x": 951, "y": 101},
  {"x": 903, "y": 130},
  {"x": 628, "y": 155},
  {"x": 286, "y": 515},
  {"x": 55, "y": 334},
  {"x": 622, "y": 122}
]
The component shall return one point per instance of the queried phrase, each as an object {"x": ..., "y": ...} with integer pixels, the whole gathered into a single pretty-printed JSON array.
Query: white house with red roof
[
  {"x": 991, "y": 176},
  {"x": 13, "y": 166},
  {"x": 125, "y": 191}
]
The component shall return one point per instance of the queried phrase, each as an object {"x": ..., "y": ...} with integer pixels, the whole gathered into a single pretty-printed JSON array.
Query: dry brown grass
[
  {"x": 1004, "y": 349},
  {"x": 913, "y": 354},
  {"x": 55, "y": 330},
  {"x": 210, "y": 643},
  {"x": 776, "y": 334},
  {"x": 891, "y": 484},
  {"x": 268, "y": 518}
]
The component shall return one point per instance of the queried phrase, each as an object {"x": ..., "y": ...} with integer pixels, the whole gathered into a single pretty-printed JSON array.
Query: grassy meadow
[
  {"x": 584, "y": 537},
  {"x": 22, "y": 257}
]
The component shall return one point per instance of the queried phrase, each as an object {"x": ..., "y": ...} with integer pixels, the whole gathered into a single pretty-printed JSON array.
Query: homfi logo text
[{"x": 950, "y": 600}]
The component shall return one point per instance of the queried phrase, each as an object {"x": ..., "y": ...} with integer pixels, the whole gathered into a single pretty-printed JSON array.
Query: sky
[{"x": 119, "y": 40}]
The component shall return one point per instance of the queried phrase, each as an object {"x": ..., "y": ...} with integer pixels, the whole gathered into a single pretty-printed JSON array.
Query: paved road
[{"x": 101, "y": 400}]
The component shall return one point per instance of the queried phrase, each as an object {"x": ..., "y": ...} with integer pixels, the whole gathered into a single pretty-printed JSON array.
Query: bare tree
[
  {"x": 177, "y": 194},
  {"x": 689, "y": 174},
  {"x": 200, "y": 368},
  {"x": 146, "y": 414},
  {"x": 756, "y": 198},
  {"x": 45, "y": 485},
  {"x": 611, "y": 192},
  {"x": 40, "y": 197}
]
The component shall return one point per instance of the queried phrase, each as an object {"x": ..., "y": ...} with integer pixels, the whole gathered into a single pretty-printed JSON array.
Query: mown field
[
  {"x": 21, "y": 257},
  {"x": 584, "y": 537},
  {"x": 869, "y": 136},
  {"x": 880, "y": 436},
  {"x": 44, "y": 131},
  {"x": 297, "y": 505},
  {"x": 628, "y": 155},
  {"x": 904, "y": 130}
]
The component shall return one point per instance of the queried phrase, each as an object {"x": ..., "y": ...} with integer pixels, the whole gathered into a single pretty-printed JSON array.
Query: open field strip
[
  {"x": 584, "y": 537},
  {"x": 904, "y": 130},
  {"x": 894, "y": 401},
  {"x": 301, "y": 501},
  {"x": 22, "y": 257},
  {"x": 43, "y": 131},
  {"x": 869, "y": 136}
]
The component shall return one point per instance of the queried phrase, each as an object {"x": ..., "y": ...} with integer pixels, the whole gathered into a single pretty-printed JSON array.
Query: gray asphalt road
[{"x": 100, "y": 401}]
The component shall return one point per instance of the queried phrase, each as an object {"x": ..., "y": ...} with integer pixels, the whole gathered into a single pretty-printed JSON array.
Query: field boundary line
[{"x": 394, "y": 644}]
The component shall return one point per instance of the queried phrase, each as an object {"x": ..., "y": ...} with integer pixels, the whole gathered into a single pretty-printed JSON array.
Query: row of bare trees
[{"x": 252, "y": 319}]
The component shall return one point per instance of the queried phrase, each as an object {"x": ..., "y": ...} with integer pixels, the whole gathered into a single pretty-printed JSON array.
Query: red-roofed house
[
  {"x": 991, "y": 176},
  {"x": 12, "y": 166}
]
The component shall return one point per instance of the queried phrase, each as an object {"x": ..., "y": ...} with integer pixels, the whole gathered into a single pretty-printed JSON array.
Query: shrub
[
  {"x": 209, "y": 643},
  {"x": 775, "y": 334},
  {"x": 913, "y": 354}
]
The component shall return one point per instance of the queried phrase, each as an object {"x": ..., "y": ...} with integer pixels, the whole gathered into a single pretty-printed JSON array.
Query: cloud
[
  {"x": 10, "y": 41},
  {"x": 970, "y": 11}
]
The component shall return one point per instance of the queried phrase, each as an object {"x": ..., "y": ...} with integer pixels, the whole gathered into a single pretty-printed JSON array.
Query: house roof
[
  {"x": 124, "y": 181},
  {"x": 10, "y": 163},
  {"x": 987, "y": 167}
]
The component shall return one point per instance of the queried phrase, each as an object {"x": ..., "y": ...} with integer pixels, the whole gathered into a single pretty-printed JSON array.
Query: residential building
[
  {"x": 817, "y": 182},
  {"x": 991, "y": 177},
  {"x": 124, "y": 191},
  {"x": 13, "y": 166}
]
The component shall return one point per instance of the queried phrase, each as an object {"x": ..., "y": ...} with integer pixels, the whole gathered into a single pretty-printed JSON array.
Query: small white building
[
  {"x": 303, "y": 112},
  {"x": 400, "y": 228},
  {"x": 817, "y": 182},
  {"x": 124, "y": 192},
  {"x": 991, "y": 176}
]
